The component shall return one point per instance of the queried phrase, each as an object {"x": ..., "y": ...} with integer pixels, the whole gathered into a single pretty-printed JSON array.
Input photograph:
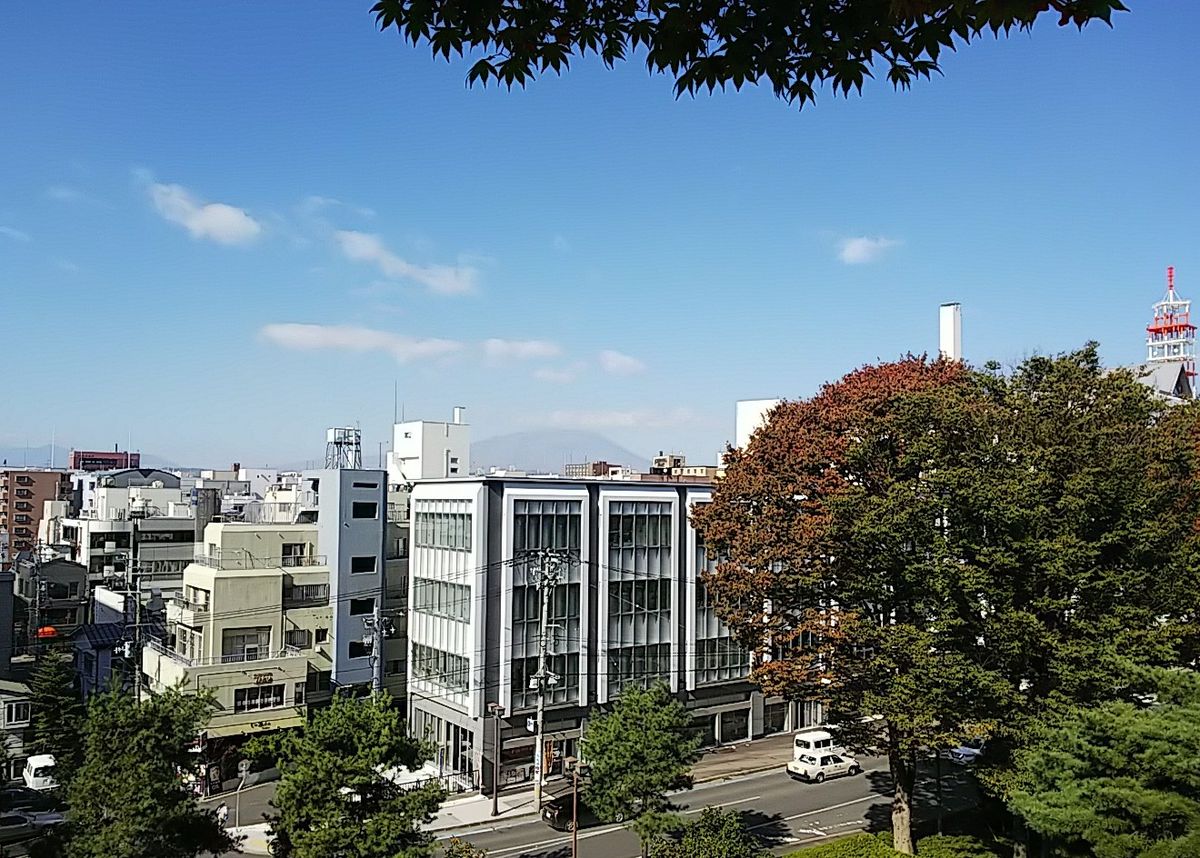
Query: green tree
[
  {"x": 716, "y": 833},
  {"x": 636, "y": 754},
  {"x": 333, "y": 797},
  {"x": 128, "y": 797},
  {"x": 1118, "y": 780},
  {"x": 456, "y": 847},
  {"x": 795, "y": 48},
  {"x": 57, "y": 713},
  {"x": 846, "y": 525}
]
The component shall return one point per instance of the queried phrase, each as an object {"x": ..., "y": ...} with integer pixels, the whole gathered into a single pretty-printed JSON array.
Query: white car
[
  {"x": 816, "y": 768},
  {"x": 968, "y": 752}
]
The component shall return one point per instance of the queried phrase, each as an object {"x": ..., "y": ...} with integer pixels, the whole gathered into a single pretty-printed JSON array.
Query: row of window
[
  {"x": 441, "y": 668},
  {"x": 719, "y": 659},
  {"x": 639, "y": 525},
  {"x": 266, "y": 697},
  {"x": 638, "y": 666},
  {"x": 442, "y": 599},
  {"x": 443, "y": 530},
  {"x": 639, "y": 597}
]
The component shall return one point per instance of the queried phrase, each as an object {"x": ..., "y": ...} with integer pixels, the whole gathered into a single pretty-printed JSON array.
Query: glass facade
[
  {"x": 442, "y": 599},
  {"x": 442, "y": 530},
  {"x": 539, "y": 524},
  {"x": 639, "y": 577},
  {"x": 453, "y": 745},
  {"x": 444, "y": 669},
  {"x": 719, "y": 658}
]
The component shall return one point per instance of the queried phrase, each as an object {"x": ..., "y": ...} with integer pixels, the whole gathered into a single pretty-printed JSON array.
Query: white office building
[{"x": 629, "y": 609}]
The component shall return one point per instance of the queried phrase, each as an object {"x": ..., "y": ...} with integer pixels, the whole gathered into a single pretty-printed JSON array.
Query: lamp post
[
  {"x": 572, "y": 765},
  {"x": 497, "y": 713}
]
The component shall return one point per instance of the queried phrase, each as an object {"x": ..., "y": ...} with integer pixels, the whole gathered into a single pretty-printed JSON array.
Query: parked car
[
  {"x": 815, "y": 769},
  {"x": 557, "y": 813},
  {"x": 23, "y": 798},
  {"x": 39, "y": 772},
  {"x": 968, "y": 752},
  {"x": 16, "y": 826}
]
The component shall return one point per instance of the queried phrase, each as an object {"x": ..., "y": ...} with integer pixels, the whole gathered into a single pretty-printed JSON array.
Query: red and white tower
[{"x": 1171, "y": 337}]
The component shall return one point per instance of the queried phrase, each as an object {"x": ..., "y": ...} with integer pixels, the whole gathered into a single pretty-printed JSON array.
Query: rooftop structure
[{"x": 1171, "y": 336}]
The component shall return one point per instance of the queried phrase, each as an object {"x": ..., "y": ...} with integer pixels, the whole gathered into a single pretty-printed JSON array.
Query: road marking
[
  {"x": 582, "y": 836},
  {"x": 872, "y": 797},
  {"x": 723, "y": 804}
]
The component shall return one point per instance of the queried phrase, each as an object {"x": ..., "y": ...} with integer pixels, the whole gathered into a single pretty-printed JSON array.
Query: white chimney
[
  {"x": 950, "y": 331},
  {"x": 459, "y": 411}
]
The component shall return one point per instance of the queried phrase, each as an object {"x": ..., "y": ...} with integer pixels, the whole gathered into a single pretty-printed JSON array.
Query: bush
[
  {"x": 856, "y": 846},
  {"x": 945, "y": 846}
]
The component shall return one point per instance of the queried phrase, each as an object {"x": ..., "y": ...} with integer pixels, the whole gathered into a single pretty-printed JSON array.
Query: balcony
[
  {"x": 245, "y": 560},
  {"x": 158, "y": 646}
]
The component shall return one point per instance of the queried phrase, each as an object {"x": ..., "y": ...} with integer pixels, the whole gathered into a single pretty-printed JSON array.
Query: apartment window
[
  {"x": 73, "y": 589},
  {"x": 364, "y": 509},
  {"x": 16, "y": 714},
  {"x": 362, "y": 565},
  {"x": 245, "y": 644},
  {"x": 358, "y": 649},
  {"x": 366, "y": 485},
  {"x": 299, "y": 638},
  {"x": 318, "y": 680},
  {"x": 393, "y": 667},
  {"x": 298, "y": 693},
  {"x": 307, "y": 593},
  {"x": 257, "y": 697},
  {"x": 361, "y": 607},
  {"x": 294, "y": 553},
  {"x": 321, "y": 635}
]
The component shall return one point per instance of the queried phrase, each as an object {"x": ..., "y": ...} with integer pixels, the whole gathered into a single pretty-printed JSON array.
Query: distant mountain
[{"x": 548, "y": 450}]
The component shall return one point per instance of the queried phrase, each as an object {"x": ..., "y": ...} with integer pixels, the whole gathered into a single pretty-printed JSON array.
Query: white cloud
[
  {"x": 356, "y": 339},
  {"x": 864, "y": 249},
  {"x": 440, "y": 279},
  {"x": 498, "y": 349},
  {"x": 222, "y": 223},
  {"x": 15, "y": 234},
  {"x": 620, "y": 364},
  {"x": 615, "y": 419}
]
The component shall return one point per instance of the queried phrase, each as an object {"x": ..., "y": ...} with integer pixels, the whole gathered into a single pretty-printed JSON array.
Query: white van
[
  {"x": 814, "y": 743},
  {"x": 39, "y": 772}
]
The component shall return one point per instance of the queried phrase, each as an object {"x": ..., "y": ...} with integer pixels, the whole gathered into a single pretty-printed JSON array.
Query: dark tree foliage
[
  {"x": 1119, "y": 780},
  {"x": 57, "y": 713},
  {"x": 715, "y": 833},
  {"x": 794, "y": 47}
]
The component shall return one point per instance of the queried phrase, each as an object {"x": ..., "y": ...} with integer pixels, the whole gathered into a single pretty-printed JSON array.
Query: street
[{"x": 783, "y": 813}]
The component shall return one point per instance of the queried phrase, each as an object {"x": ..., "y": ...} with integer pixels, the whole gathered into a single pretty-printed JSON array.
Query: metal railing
[
  {"x": 159, "y": 646},
  {"x": 246, "y": 560}
]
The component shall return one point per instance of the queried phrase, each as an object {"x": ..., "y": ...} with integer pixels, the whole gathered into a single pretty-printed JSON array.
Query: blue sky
[{"x": 224, "y": 228}]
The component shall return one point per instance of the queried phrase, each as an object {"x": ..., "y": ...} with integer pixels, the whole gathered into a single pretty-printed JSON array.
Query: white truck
[{"x": 39, "y": 772}]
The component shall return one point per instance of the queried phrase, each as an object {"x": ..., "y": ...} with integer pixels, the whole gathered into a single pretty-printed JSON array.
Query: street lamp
[
  {"x": 497, "y": 713},
  {"x": 572, "y": 764}
]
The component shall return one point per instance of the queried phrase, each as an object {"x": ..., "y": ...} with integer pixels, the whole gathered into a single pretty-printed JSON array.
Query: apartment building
[
  {"x": 49, "y": 593},
  {"x": 271, "y": 615},
  {"x": 427, "y": 449},
  {"x": 23, "y": 491},
  {"x": 140, "y": 517},
  {"x": 629, "y": 609}
]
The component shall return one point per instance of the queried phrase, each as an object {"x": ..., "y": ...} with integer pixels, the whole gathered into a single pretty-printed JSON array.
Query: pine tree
[
  {"x": 333, "y": 797},
  {"x": 636, "y": 754},
  {"x": 57, "y": 713},
  {"x": 1118, "y": 780},
  {"x": 128, "y": 796}
]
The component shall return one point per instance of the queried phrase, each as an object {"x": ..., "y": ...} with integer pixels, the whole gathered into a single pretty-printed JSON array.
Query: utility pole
[
  {"x": 376, "y": 628},
  {"x": 497, "y": 713},
  {"x": 550, "y": 562}
]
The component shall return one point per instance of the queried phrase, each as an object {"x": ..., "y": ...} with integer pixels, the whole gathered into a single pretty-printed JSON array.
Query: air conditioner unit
[
  {"x": 110, "y": 570},
  {"x": 110, "y": 547}
]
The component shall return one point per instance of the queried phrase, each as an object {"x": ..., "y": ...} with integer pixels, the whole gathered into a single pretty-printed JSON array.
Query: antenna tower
[
  {"x": 1171, "y": 337},
  {"x": 343, "y": 447}
]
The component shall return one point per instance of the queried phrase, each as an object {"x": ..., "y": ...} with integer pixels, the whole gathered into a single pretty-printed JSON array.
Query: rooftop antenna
[{"x": 343, "y": 447}]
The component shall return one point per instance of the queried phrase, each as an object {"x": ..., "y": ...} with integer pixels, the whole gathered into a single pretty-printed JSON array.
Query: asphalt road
[{"x": 783, "y": 813}]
